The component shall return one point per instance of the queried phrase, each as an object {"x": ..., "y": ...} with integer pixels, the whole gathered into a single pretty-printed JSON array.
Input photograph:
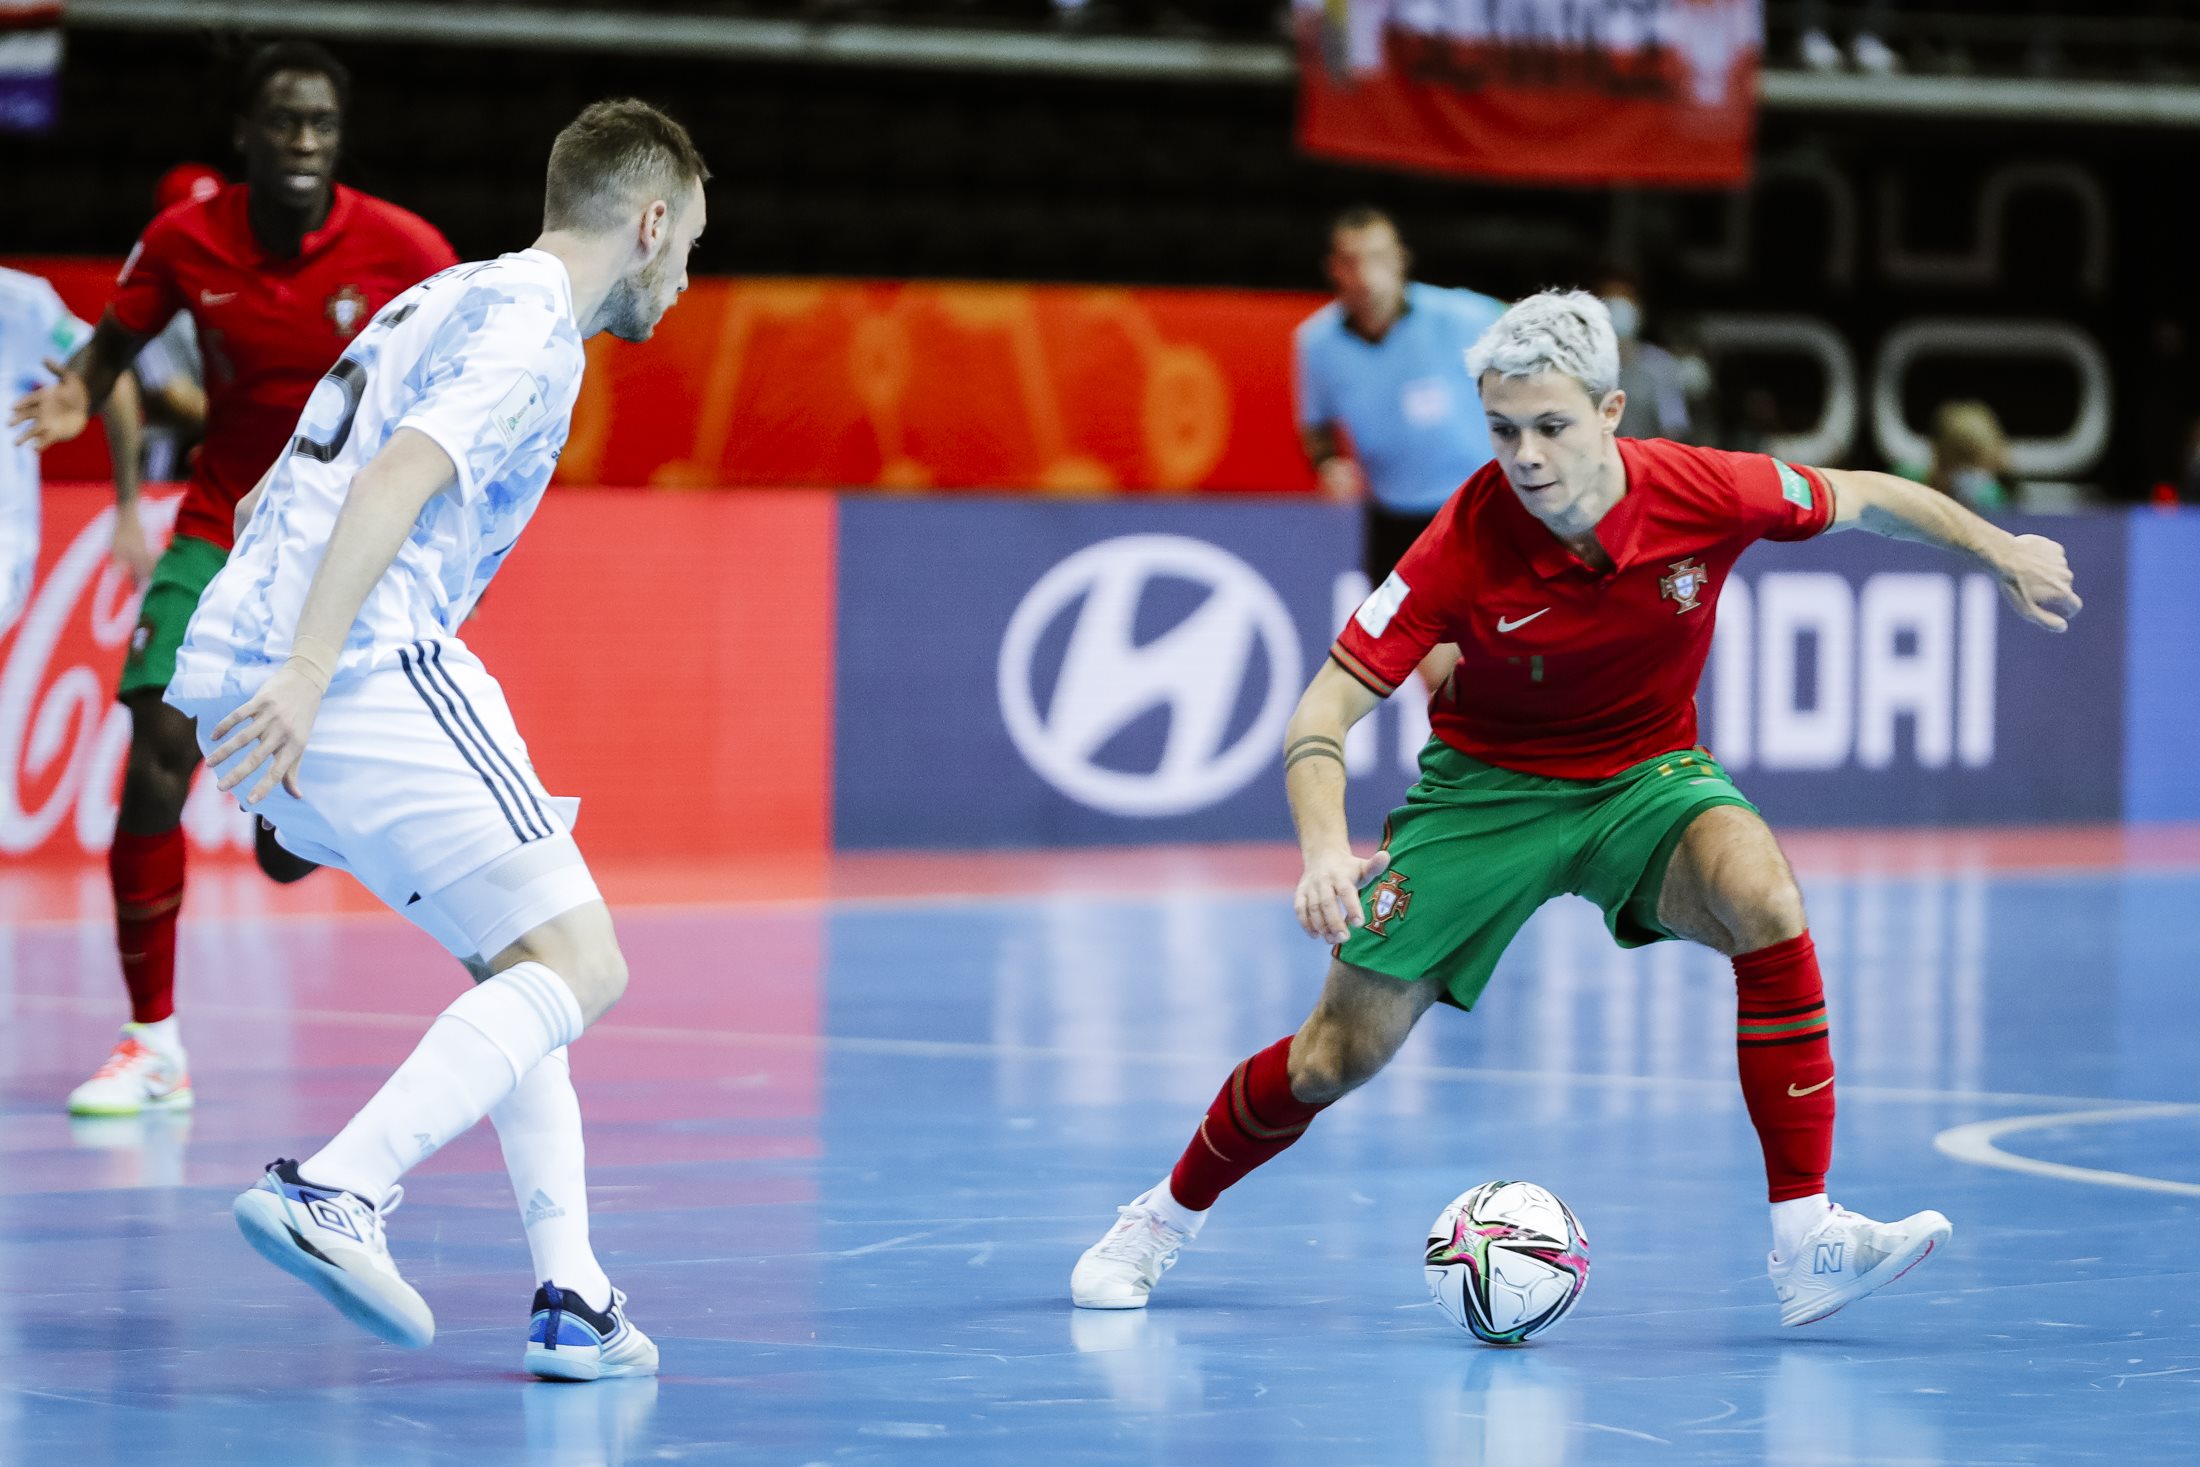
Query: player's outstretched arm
[
  {"x": 380, "y": 510},
  {"x": 1328, "y": 898},
  {"x": 2033, "y": 570},
  {"x": 124, "y": 419},
  {"x": 60, "y": 410}
]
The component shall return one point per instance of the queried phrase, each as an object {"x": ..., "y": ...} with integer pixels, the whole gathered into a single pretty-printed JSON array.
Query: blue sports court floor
[{"x": 846, "y": 1144}]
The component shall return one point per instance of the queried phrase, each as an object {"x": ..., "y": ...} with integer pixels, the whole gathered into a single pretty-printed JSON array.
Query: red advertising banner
[
  {"x": 917, "y": 386},
  {"x": 1550, "y": 91},
  {"x": 667, "y": 657}
]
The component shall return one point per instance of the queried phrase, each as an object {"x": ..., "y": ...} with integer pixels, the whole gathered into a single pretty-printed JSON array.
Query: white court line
[
  {"x": 994, "y": 1050},
  {"x": 1974, "y": 1143}
]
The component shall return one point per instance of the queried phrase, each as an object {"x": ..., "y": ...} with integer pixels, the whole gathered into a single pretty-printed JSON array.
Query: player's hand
[
  {"x": 1328, "y": 899},
  {"x": 54, "y": 413},
  {"x": 2035, "y": 576},
  {"x": 130, "y": 549},
  {"x": 270, "y": 731},
  {"x": 1341, "y": 480}
]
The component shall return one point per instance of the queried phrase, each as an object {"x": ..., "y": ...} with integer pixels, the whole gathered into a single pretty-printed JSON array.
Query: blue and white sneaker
[
  {"x": 1848, "y": 1256},
  {"x": 567, "y": 1340},
  {"x": 333, "y": 1240}
]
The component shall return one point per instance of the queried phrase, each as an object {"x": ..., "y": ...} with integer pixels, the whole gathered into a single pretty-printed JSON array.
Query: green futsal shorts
[
  {"x": 1476, "y": 849},
  {"x": 180, "y": 577}
]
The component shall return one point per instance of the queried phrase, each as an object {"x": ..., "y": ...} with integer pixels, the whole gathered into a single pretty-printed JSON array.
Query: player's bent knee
[
  {"x": 1765, "y": 913},
  {"x": 1329, "y": 1061},
  {"x": 156, "y": 780}
]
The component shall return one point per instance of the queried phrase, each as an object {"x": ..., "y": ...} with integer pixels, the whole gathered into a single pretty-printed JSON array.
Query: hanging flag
[
  {"x": 1552, "y": 91},
  {"x": 30, "y": 64}
]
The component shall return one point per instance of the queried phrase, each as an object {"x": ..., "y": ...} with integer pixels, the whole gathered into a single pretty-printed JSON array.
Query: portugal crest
[
  {"x": 1387, "y": 903},
  {"x": 346, "y": 310},
  {"x": 1683, "y": 585}
]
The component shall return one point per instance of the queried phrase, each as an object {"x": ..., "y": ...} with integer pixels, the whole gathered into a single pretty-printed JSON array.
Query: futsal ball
[{"x": 1506, "y": 1261}]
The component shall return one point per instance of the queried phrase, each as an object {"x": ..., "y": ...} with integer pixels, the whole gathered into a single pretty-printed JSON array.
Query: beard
[{"x": 637, "y": 303}]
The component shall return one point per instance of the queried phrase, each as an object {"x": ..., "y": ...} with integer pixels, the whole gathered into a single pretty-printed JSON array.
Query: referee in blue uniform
[{"x": 1386, "y": 410}]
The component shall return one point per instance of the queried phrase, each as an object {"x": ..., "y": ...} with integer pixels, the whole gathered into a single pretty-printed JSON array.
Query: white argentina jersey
[
  {"x": 486, "y": 359},
  {"x": 34, "y": 325}
]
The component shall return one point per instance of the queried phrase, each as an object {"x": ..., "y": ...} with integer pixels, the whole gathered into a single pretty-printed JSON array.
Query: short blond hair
[{"x": 1565, "y": 331}]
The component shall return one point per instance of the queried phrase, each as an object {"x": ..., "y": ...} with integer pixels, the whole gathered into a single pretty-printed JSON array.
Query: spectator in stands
[
  {"x": 1817, "y": 49},
  {"x": 1387, "y": 412},
  {"x": 1970, "y": 457},
  {"x": 1658, "y": 384}
]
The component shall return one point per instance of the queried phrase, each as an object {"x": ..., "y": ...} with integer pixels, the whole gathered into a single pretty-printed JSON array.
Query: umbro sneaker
[
  {"x": 1120, "y": 1270},
  {"x": 1848, "y": 1256},
  {"x": 334, "y": 1241},
  {"x": 136, "y": 1077},
  {"x": 567, "y": 1340}
]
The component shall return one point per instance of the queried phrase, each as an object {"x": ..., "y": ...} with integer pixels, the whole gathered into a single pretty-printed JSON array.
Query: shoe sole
[
  {"x": 1138, "y": 1303},
  {"x": 1890, "y": 1268},
  {"x": 568, "y": 1365},
  {"x": 373, "y": 1304},
  {"x": 174, "y": 1100}
]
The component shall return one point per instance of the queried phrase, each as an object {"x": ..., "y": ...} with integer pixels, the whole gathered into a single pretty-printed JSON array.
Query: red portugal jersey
[
  {"x": 1564, "y": 671},
  {"x": 269, "y": 328}
]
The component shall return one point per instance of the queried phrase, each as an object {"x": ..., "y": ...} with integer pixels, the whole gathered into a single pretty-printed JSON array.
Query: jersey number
[{"x": 350, "y": 379}]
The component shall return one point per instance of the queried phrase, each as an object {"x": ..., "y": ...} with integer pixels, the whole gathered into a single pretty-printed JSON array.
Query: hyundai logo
[{"x": 1198, "y": 671}]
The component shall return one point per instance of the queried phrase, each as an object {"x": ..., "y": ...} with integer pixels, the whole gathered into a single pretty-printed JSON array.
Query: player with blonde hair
[{"x": 1579, "y": 574}]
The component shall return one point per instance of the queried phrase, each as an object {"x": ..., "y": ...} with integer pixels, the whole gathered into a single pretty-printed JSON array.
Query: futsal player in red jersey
[
  {"x": 278, "y": 274},
  {"x": 1578, "y": 574}
]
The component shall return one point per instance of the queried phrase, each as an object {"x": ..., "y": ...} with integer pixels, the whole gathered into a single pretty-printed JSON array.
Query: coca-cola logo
[{"x": 63, "y": 738}]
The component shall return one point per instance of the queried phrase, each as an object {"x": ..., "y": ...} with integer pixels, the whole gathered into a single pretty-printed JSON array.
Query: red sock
[
  {"x": 1253, "y": 1118},
  {"x": 147, "y": 872},
  {"x": 1786, "y": 1063}
]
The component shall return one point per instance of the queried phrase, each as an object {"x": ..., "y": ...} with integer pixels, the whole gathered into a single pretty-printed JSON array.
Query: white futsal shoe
[
  {"x": 567, "y": 1340},
  {"x": 1120, "y": 1270},
  {"x": 333, "y": 1240},
  {"x": 1848, "y": 1256},
  {"x": 135, "y": 1078}
]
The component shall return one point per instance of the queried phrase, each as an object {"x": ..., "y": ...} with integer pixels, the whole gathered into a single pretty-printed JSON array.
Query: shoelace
[
  {"x": 126, "y": 1053},
  {"x": 374, "y": 1216},
  {"x": 1136, "y": 1236}
]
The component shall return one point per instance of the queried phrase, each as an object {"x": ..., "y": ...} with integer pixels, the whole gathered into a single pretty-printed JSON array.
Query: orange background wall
[{"x": 919, "y": 386}]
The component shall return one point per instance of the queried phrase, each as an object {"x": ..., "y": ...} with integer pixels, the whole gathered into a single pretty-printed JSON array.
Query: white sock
[
  {"x": 539, "y": 1126},
  {"x": 163, "y": 1038},
  {"x": 471, "y": 1058},
  {"x": 1792, "y": 1221},
  {"x": 1173, "y": 1212}
]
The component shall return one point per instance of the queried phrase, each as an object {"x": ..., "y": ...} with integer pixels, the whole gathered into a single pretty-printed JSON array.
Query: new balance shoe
[
  {"x": 567, "y": 1340},
  {"x": 135, "y": 1077},
  {"x": 1120, "y": 1270},
  {"x": 1848, "y": 1256},
  {"x": 334, "y": 1241}
]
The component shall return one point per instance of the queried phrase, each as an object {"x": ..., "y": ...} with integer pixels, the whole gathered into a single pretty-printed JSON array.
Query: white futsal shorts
[{"x": 416, "y": 781}]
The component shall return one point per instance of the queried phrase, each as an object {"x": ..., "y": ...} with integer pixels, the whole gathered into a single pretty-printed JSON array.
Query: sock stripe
[
  {"x": 1241, "y": 1111},
  {"x": 1750, "y": 1015},
  {"x": 1749, "y": 1030},
  {"x": 527, "y": 980},
  {"x": 1816, "y": 1036}
]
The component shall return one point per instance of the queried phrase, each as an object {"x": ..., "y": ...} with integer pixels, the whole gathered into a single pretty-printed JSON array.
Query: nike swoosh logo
[
  {"x": 1811, "y": 1089},
  {"x": 1514, "y": 626},
  {"x": 211, "y": 298}
]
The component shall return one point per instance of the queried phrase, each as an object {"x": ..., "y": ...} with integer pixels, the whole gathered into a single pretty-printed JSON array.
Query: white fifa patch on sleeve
[
  {"x": 1376, "y": 611},
  {"x": 519, "y": 410}
]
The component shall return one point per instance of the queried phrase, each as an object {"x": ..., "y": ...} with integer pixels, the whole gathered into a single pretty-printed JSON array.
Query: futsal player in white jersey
[
  {"x": 37, "y": 334},
  {"x": 333, "y": 695}
]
